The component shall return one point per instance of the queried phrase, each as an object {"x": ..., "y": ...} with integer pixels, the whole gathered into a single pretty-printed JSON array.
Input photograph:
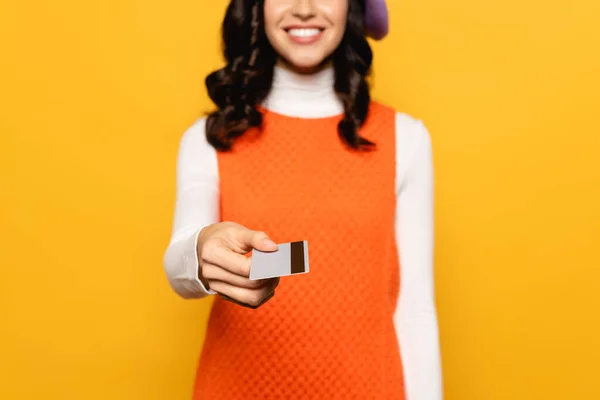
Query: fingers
[
  {"x": 235, "y": 237},
  {"x": 248, "y": 239},
  {"x": 224, "y": 268},
  {"x": 252, "y": 298},
  {"x": 212, "y": 272},
  {"x": 226, "y": 259},
  {"x": 248, "y": 305}
]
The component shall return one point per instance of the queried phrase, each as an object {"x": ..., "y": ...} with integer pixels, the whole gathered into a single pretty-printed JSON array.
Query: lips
[{"x": 304, "y": 34}]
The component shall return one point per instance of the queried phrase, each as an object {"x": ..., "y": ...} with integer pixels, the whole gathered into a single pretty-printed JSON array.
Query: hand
[{"x": 225, "y": 269}]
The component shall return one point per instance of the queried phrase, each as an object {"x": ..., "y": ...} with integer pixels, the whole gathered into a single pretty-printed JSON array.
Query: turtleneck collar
[{"x": 303, "y": 96}]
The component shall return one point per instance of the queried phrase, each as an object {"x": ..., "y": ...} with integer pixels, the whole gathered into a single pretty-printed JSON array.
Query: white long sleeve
[
  {"x": 416, "y": 318},
  {"x": 196, "y": 206}
]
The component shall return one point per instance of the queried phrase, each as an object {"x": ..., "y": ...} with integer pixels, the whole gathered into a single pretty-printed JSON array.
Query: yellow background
[{"x": 94, "y": 98}]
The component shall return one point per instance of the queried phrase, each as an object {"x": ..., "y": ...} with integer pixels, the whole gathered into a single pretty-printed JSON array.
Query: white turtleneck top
[{"x": 312, "y": 96}]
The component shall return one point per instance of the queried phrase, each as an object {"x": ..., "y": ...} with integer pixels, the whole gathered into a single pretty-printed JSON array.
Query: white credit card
[{"x": 289, "y": 259}]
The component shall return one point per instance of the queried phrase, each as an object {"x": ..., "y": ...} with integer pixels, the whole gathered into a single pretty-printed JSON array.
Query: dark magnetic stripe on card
[{"x": 297, "y": 258}]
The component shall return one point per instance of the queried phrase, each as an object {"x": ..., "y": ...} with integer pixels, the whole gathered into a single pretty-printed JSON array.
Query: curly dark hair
[{"x": 240, "y": 87}]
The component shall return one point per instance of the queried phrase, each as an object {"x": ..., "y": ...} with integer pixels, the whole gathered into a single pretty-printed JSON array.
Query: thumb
[{"x": 249, "y": 239}]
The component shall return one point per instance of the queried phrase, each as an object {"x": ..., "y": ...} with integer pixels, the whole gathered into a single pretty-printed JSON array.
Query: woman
[{"x": 297, "y": 151}]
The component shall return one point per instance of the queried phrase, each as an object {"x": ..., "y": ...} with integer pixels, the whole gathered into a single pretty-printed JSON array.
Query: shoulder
[
  {"x": 411, "y": 133},
  {"x": 195, "y": 153},
  {"x": 194, "y": 138},
  {"x": 412, "y": 144},
  {"x": 409, "y": 130},
  {"x": 195, "y": 134}
]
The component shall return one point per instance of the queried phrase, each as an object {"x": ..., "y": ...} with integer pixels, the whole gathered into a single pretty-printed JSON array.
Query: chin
[{"x": 305, "y": 64}]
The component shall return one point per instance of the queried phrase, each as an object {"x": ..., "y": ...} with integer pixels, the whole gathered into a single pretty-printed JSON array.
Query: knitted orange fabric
[{"x": 328, "y": 334}]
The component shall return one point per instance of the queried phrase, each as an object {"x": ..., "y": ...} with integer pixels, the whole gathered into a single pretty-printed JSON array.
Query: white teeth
[{"x": 304, "y": 32}]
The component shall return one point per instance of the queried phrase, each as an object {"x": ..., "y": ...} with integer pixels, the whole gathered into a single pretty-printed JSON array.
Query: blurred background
[{"x": 95, "y": 95}]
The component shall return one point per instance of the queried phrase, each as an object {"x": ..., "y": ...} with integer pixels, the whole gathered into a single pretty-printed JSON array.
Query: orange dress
[{"x": 328, "y": 334}]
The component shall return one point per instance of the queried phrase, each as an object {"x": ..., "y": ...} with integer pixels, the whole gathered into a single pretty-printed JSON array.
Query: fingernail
[{"x": 269, "y": 242}]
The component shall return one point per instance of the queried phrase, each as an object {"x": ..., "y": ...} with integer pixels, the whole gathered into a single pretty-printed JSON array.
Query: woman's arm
[
  {"x": 416, "y": 318},
  {"x": 196, "y": 206}
]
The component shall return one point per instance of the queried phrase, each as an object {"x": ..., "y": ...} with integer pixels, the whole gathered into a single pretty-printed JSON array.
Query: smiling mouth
[
  {"x": 304, "y": 35},
  {"x": 303, "y": 32}
]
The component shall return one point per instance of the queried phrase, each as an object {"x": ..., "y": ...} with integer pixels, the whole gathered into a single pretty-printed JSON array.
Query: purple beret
[{"x": 376, "y": 19}]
